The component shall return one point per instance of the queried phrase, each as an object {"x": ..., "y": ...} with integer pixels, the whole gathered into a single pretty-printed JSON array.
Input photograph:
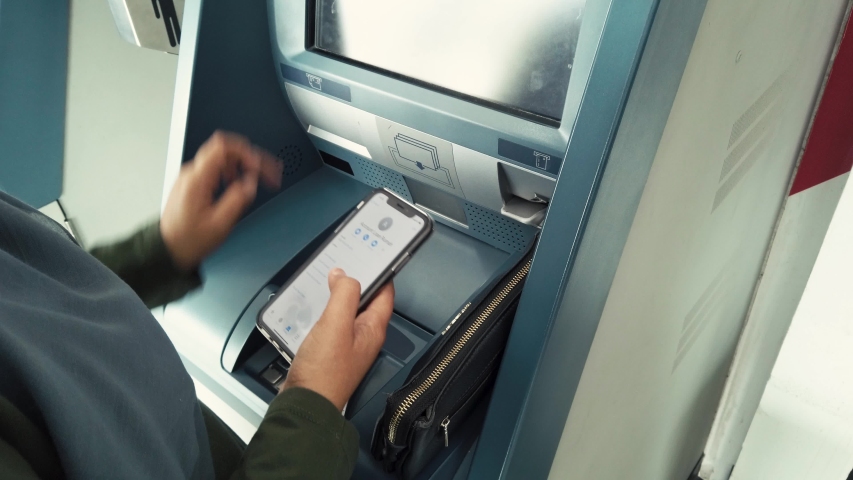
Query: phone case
[{"x": 393, "y": 268}]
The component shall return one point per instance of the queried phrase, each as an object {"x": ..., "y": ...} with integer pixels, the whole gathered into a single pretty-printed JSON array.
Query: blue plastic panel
[{"x": 33, "y": 71}]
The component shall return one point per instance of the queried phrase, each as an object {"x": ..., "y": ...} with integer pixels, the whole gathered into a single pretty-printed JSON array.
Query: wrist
[
  {"x": 173, "y": 246},
  {"x": 319, "y": 390}
]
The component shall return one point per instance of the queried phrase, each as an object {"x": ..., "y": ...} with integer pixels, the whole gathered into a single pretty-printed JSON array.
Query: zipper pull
[{"x": 444, "y": 424}]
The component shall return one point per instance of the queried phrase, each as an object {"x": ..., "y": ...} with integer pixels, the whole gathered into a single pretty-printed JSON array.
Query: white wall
[
  {"x": 117, "y": 126},
  {"x": 804, "y": 426}
]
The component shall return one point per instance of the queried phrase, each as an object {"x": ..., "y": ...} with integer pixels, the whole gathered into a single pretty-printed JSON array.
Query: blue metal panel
[
  {"x": 235, "y": 88},
  {"x": 605, "y": 234},
  {"x": 501, "y": 452},
  {"x": 33, "y": 68}
]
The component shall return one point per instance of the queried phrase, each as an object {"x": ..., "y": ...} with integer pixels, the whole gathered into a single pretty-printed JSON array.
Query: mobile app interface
[{"x": 363, "y": 249}]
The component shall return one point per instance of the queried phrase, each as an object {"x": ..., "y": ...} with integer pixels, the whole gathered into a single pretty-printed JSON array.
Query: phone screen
[{"x": 364, "y": 248}]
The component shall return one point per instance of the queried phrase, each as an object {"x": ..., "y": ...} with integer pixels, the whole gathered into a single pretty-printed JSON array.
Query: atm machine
[{"x": 646, "y": 145}]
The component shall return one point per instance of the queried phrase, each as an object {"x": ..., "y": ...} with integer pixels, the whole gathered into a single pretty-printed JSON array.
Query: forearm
[
  {"x": 144, "y": 263},
  {"x": 302, "y": 436}
]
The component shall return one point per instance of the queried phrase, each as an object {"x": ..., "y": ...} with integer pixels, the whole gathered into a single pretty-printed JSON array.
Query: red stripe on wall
[{"x": 829, "y": 151}]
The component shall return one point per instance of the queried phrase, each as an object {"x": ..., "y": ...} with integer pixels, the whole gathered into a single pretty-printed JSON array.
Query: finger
[
  {"x": 343, "y": 301},
  {"x": 233, "y": 202},
  {"x": 271, "y": 168},
  {"x": 240, "y": 153},
  {"x": 216, "y": 149},
  {"x": 230, "y": 172},
  {"x": 373, "y": 321},
  {"x": 227, "y": 150}
]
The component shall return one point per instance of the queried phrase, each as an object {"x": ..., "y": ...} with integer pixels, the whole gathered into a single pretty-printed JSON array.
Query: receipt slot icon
[{"x": 541, "y": 160}]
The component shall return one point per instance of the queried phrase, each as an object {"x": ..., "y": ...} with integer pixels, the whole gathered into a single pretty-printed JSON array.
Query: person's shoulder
[{"x": 20, "y": 214}]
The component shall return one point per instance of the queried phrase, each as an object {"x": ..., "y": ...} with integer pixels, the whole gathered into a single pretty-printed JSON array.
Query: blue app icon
[
  {"x": 365, "y": 237},
  {"x": 288, "y": 328},
  {"x": 357, "y": 231},
  {"x": 374, "y": 243}
]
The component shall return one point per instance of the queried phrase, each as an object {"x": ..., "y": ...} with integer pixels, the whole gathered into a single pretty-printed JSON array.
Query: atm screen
[{"x": 513, "y": 55}]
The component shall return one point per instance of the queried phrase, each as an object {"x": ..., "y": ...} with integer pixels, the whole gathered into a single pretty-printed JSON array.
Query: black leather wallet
[{"x": 448, "y": 381}]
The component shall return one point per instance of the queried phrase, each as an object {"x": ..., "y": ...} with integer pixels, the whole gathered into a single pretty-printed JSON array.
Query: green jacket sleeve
[
  {"x": 302, "y": 436},
  {"x": 143, "y": 262}
]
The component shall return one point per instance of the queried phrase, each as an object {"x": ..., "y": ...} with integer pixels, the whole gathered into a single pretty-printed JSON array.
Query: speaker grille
[
  {"x": 498, "y": 230},
  {"x": 291, "y": 159},
  {"x": 378, "y": 176}
]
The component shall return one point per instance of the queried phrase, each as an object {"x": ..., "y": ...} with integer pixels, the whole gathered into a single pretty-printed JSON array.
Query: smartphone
[{"x": 371, "y": 245}]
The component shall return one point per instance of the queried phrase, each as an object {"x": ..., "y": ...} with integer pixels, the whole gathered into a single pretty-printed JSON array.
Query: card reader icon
[{"x": 315, "y": 82}]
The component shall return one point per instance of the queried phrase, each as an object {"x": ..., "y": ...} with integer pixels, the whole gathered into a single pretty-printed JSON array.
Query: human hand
[
  {"x": 339, "y": 350},
  {"x": 194, "y": 223}
]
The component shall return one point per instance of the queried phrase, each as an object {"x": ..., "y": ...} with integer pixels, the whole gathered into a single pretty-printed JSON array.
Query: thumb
[
  {"x": 372, "y": 324},
  {"x": 343, "y": 300},
  {"x": 231, "y": 205}
]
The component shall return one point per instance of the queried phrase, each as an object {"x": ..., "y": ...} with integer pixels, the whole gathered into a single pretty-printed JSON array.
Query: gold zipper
[
  {"x": 456, "y": 318},
  {"x": 439, "y": 369}
]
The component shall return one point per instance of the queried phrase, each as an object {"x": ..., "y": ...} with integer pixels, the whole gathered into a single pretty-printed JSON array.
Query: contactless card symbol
[
  {"x": 419, "y": 157},
  {"x": 315, "y": 82},
  {"x": 541, "y": 160}
]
